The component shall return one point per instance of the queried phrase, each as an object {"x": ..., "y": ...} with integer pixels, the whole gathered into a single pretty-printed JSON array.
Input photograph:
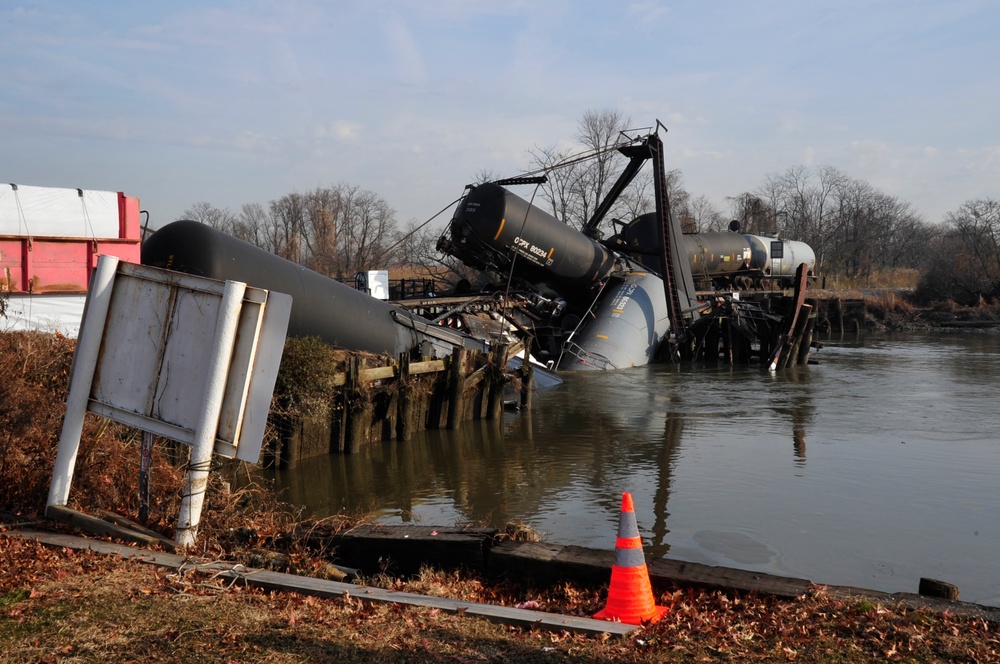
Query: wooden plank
[
  {"x": 132, "y": 526},
  {"x": 405, "y": 549},
  {"x": 323, "y": 588},
  {"x": 378, "y": 373},
  {"x": 584, "y": 565},
  {"x": 92, "y": 524},
  {"x": 429, "y": 366},
  {"x": 390, "y": 371},
  {"x": 514, "y": 350},
  {"x": 100, "y": 546},
  {"x": 475, "y": 378},
  {"x": 545, "y": 561},
  {"x": 711, "y": 576}
]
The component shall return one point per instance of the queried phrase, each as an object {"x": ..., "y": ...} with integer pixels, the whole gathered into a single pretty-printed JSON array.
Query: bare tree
[
  {"x": 288, "y": 216},
  {"x": 704, "y": 216},
  {"x": 824, "y": 227},
  {"x": 255, "y": 226},
  {"x": 600, "y": 132},
  {"x": 320, "y": 230},
  {"x": 578, "y": 180},
  {"x": 485, "y": 175},
  {"x": 367, "y": 225},
  {"x": 206, "y": 213},
  {"x": 966, "y": 262},
  {"x": 978, "y": 224},
  {"x": 756, "y": 216},
  {"x": 560, "y": 187}
]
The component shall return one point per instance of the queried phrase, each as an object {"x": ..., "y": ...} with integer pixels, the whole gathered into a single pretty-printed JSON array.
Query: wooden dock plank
[
  {"x": 322, "y": 588},
  {"x": 404, "y": 549},
  {"x": 543, "y": 560}
]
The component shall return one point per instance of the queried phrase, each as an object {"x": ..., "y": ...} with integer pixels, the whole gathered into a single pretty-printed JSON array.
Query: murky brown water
[{"x": 874, "y": 468}]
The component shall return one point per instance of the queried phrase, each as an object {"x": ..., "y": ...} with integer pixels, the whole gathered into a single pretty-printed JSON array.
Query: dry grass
[
  {"x": 897, "y": 311},
  {"x": 898, "y": 279}
]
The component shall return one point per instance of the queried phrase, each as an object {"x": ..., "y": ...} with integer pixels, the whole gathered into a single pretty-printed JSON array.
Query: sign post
[{"x": 180, "y": 356}]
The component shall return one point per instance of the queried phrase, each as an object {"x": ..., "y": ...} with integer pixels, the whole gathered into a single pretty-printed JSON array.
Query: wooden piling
[
  {"x": 456, "y": 388},
  {"x": 358, "y": 407},
  {"x": 798, "y": 334},
  {"x": 527, "y": 376},
  {"x": 807, "y": 333},
  {"x": 394, "y": 399},
  {"x": 495, "y": 378},
  {"x": 836, "y": 316},
  {"x": 404, "y": 388},
  {"x": 711, "y": 342}
]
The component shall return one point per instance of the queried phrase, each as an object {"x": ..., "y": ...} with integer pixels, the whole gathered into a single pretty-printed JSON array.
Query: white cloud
[{"x": 343, "y": 130}]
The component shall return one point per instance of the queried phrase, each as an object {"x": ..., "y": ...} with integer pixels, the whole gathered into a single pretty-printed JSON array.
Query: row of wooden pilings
[
  {"x": 741, "y": 334},
  {"x": 841, "y": 316},
  {"x": 396, "y": 398},
  {"x": 741, "y": 339}
]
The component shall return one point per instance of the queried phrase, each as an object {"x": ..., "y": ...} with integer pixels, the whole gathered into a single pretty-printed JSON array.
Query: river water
[{"x": 873, "y": 468}]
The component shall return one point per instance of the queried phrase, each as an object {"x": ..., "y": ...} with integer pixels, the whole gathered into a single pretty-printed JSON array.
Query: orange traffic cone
[{"x": 630, "y": 597}]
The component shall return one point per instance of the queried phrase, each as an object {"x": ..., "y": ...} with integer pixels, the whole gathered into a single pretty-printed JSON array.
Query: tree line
[
  {"x": 857, "y": 231},
  {"x": 336, "y": 231}
]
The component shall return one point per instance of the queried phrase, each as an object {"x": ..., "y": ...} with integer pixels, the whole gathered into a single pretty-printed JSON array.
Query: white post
[
  {"x": 88, "y": 347},
  {"x": 208, "y": 417}
]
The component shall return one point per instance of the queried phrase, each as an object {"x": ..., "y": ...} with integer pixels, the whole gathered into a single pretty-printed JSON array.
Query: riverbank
[
  {"x": 894, "y": 309},
  {"x": 56, "y": 603},
  {"x": 61, "y": 604}
]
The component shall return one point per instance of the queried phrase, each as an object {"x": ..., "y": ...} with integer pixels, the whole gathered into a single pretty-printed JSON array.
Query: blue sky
[{"x": 241, "y": 102}]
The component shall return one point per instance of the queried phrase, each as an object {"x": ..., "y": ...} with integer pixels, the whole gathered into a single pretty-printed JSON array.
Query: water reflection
[
  {"x": 902, "y": 451},
  {"x": 673, "y": 431},
  {"x": 795, "y": 405}
]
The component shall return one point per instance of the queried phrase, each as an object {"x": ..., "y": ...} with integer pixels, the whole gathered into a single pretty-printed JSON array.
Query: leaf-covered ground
[{"x": 59, "y": 605}]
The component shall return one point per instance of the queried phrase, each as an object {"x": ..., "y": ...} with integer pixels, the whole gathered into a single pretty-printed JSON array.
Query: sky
[{"x": 230, "y": 102}]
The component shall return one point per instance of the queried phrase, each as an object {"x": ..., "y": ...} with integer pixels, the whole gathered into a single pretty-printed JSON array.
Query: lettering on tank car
[
  {"x": 528, "y": 250},
  {"x": 621, "y": 300}
]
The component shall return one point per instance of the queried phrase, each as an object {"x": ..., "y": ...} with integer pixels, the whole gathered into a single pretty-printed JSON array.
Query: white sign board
[
  {"x": 185, "y": 357},
  {"x": 156, "y": 351}
]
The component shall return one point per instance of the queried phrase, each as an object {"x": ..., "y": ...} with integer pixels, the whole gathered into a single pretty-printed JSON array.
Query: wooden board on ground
[
  {"x": 332, "y": 589},
  {"x": 581, "y": 564},
  {"x": 404, "y": 549},
  {"x": 109, "y": 524}
]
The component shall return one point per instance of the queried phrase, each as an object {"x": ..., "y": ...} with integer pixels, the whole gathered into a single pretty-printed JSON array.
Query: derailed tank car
[
  {"x": 607, "y": 304},
  {"x": 494, "y": 230},
  {"x": 720, "y": 260},
  {"x": 588, "y": 307}
]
